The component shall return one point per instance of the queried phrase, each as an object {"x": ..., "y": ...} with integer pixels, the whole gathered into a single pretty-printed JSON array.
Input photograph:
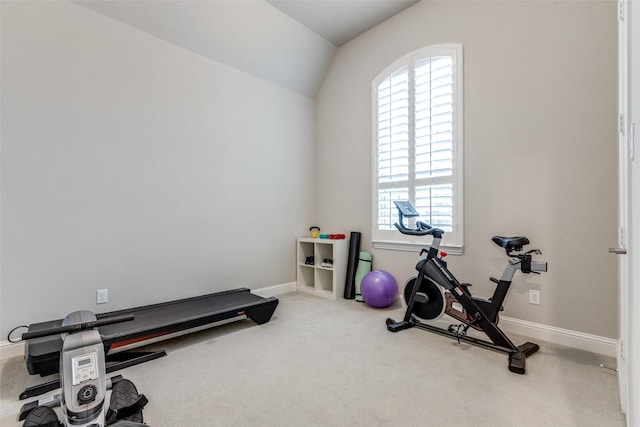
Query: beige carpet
[{"x": 333, "y": 363}]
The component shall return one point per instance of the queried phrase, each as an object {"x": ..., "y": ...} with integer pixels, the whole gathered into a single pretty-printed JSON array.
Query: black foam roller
[{"x": 352, "y": 265}]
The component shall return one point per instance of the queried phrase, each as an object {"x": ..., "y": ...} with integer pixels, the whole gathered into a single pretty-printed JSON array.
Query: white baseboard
[
  {"x": 566, "y": 337},
  {"x": 274, "y": 291},
  {"x": 9, "y": 350}
]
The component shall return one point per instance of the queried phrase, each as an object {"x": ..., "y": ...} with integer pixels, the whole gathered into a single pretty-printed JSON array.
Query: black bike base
[
  {"x": 394, "y": 326},
  {"x": 517, "y": 359}
]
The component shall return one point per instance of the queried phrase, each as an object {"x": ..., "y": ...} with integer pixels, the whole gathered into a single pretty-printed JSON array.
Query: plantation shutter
[
  {"x": 393, "y": 120},
  {"x": 415, "y": 137},
  {"x": 433, "y": 130}
]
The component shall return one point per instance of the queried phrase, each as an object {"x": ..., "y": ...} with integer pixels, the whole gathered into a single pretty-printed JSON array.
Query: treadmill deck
[{"x": 155, "y": 322}]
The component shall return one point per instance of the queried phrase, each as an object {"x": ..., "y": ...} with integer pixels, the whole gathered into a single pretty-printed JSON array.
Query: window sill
[{"x": 415, "y": 247}]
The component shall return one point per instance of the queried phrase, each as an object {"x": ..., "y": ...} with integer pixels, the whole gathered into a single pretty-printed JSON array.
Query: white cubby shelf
[{"x": 327, "y": 282}]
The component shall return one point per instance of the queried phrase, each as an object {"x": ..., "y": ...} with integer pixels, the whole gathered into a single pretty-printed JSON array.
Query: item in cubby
[{"x": 309, "y": 260}]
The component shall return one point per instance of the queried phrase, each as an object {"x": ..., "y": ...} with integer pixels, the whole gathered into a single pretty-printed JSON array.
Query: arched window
[{"x": 417, "y": 138}]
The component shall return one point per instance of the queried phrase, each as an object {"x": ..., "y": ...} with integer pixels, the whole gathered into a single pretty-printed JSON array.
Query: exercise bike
[
  {"x": 435, "y": 291},
  {"x": 83, "y": 380}
]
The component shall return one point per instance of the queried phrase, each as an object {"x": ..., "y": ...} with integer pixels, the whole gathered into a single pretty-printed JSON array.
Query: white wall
[
  {"x": 540, "y": 146},
  {"x": 137, "y": 166}
]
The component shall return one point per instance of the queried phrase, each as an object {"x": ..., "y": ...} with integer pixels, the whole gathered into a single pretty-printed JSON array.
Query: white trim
[
  {"x": 275, "y": 290},
  {"x": 9, "y": 349},
  {"x": 552, "y": 334},
  {"x": 624, "y": 119},
  {"x": 566, "y": 337},
  {"x": 415, "y": 247}
]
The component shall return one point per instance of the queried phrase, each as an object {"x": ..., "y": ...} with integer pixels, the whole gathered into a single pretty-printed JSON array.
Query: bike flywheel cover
[{"x": 435, "y": 304}]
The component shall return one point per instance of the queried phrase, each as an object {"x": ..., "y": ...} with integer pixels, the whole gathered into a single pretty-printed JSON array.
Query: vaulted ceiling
[
  {"x": 287, "y": 42},
  {"x": 341, "y": 20}
]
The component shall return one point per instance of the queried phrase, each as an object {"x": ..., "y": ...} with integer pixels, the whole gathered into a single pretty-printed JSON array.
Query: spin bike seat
[{"x": 510, "y": 243}]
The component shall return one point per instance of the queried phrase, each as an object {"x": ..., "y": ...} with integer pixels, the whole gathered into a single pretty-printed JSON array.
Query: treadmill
[{"x": 151, "y": 323}]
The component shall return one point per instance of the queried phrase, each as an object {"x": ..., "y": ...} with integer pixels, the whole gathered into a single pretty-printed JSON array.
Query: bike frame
[{"x": 481, "y": 314}]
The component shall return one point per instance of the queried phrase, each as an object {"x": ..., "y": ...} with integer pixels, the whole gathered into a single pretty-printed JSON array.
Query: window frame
[{"x": 452, "y": 242}]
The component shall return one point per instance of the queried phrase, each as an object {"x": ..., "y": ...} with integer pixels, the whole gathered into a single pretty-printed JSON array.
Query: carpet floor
[{"x": 333, "y": 363}]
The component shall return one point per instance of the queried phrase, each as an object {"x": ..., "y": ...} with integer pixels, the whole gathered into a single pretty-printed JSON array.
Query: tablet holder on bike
[{"x": 406, "y": 210}]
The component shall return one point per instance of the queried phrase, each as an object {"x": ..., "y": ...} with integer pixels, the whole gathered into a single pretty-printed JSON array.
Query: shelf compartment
[
  {"x": 324, "y": 280},
  {"x": 323, "y": 250},
  {"x": 306, "y": 249},
  {"x": 306, "y": 276}
]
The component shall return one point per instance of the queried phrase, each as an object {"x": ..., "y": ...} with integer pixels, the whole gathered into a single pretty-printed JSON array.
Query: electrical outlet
[
  {"x": 102, "y": 296},
  {"x": 534, "y": 297}
]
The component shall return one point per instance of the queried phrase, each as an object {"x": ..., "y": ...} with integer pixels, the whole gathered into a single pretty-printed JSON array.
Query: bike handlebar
[
  {"x": 77, "y": 327},
  {"x": 422, "y": 229}
]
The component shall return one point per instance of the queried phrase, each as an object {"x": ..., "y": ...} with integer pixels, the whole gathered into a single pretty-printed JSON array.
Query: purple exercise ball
[{"x": 379, "y": 289}]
